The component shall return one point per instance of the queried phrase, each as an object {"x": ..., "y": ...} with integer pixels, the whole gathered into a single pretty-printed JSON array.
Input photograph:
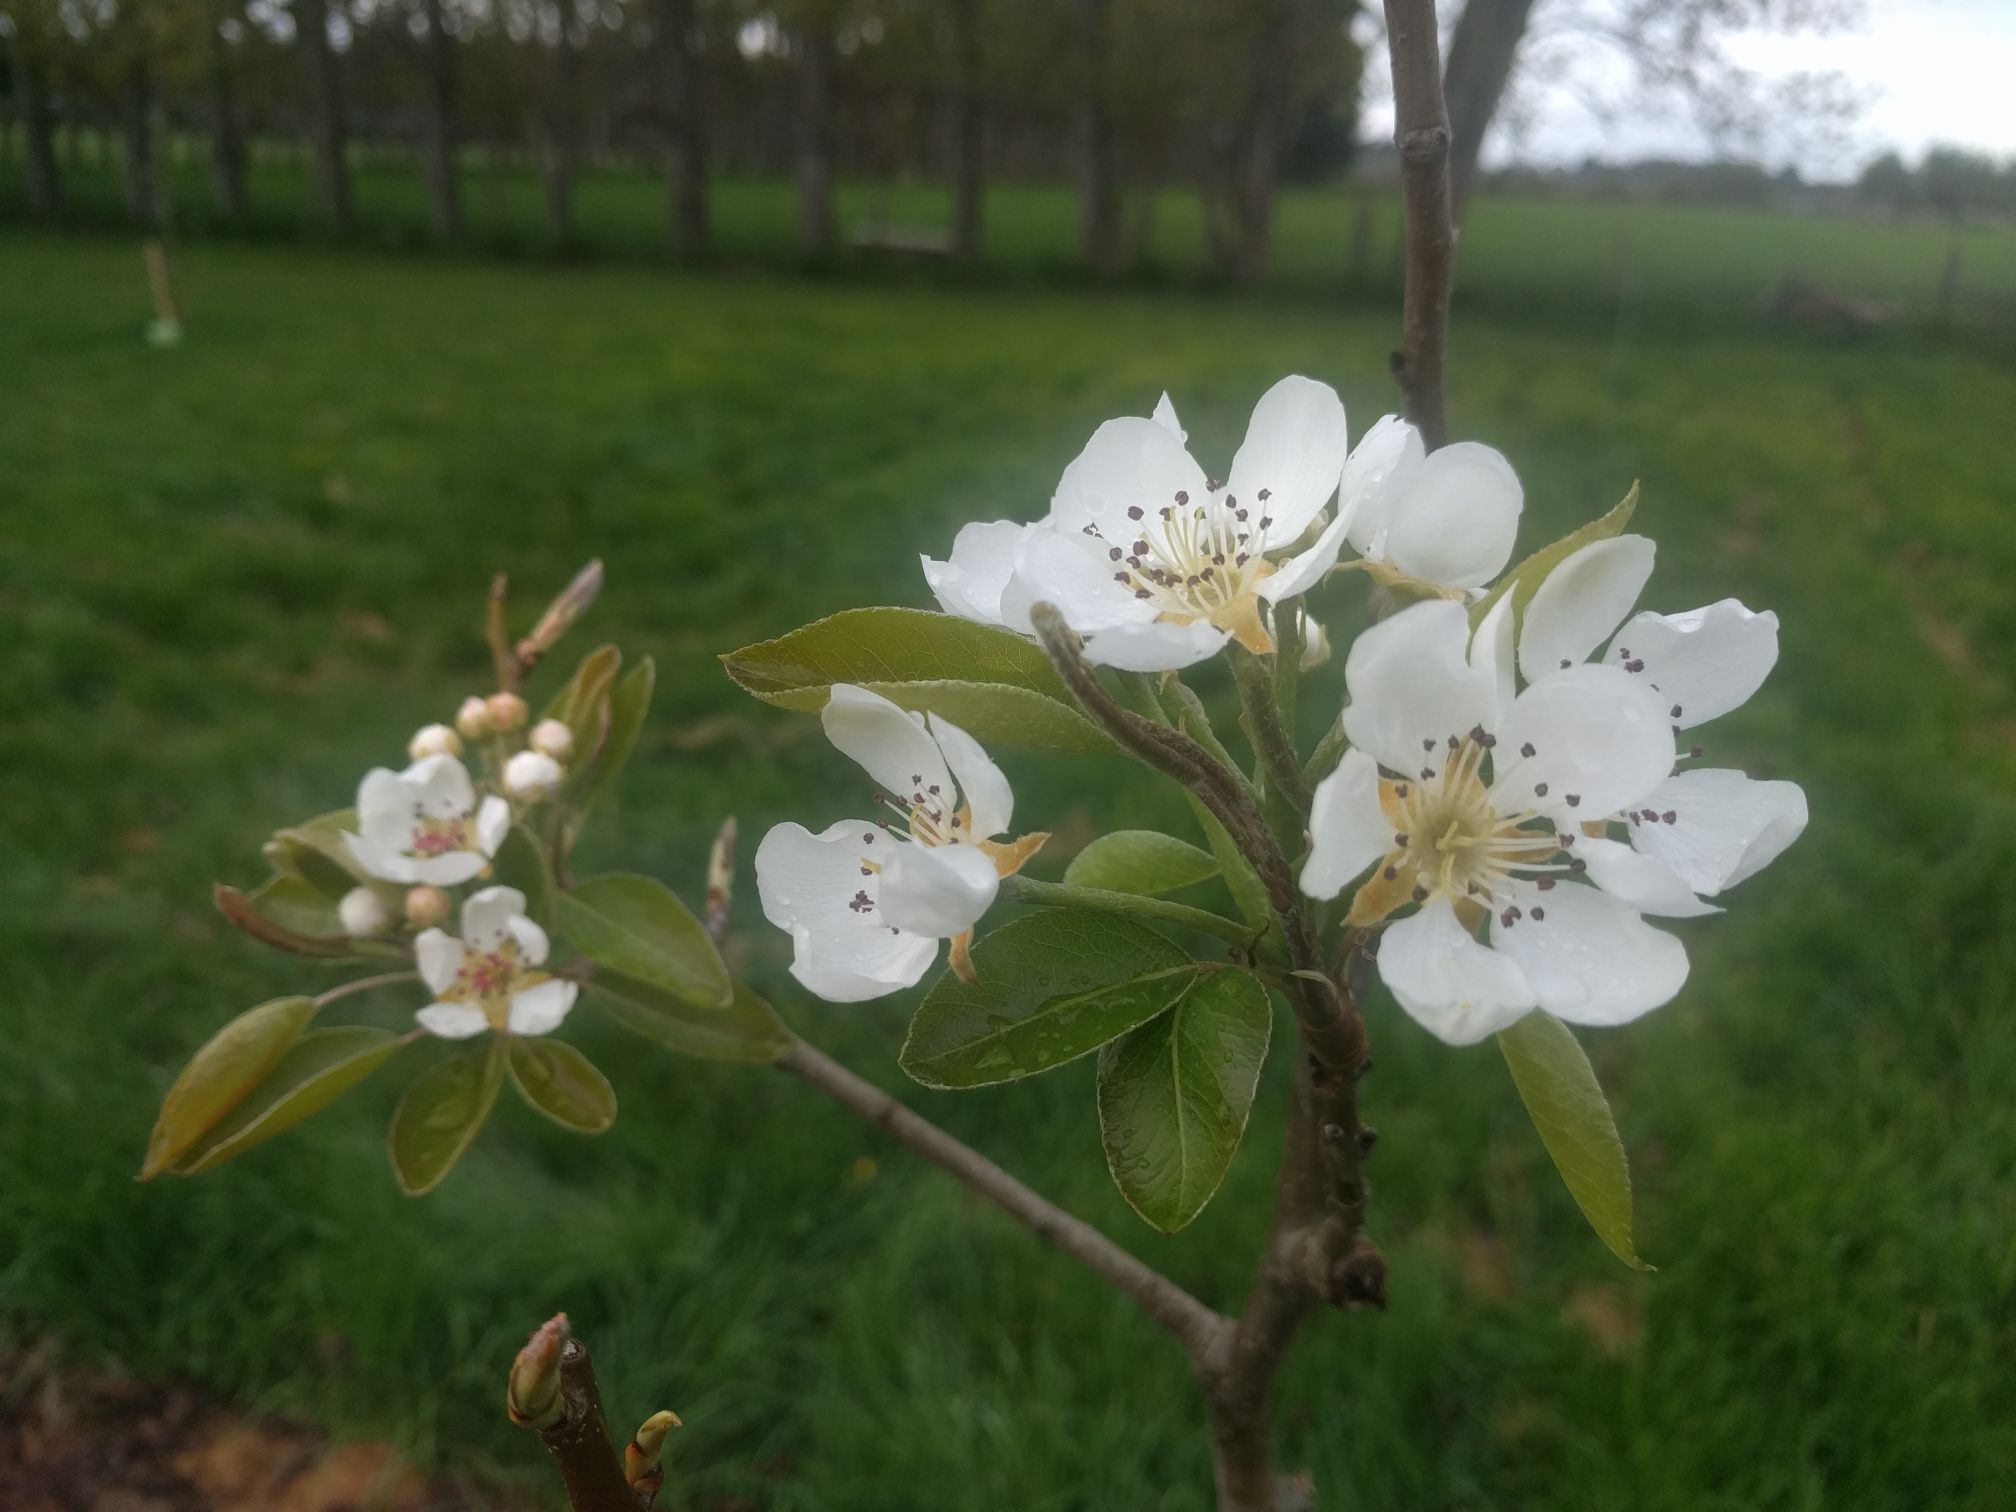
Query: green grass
[{"x": 235, "y": 574}]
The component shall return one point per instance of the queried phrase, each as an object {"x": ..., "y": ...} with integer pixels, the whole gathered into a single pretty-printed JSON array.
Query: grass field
[{"x": 234, "y": 574}]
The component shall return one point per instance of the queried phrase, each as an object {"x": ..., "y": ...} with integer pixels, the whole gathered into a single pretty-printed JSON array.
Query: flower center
[
  {"x": 490, "y": 979},
  {"x": 437, "y": 836},
  {"x": 1453, "y": 837},
  {"x": 1193, "y": 560}
]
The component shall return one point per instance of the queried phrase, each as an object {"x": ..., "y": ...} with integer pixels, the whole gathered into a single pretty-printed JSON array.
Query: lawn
[{"x": 235, "y": 574}]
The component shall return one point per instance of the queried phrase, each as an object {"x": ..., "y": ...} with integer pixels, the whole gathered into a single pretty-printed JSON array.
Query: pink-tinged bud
[
  {"x": 530, "y": 776},
  {"x": 434, "y": 740},
  {"x": 507, "y": 712},
  {"x": 552, "y": 738},
  {"x": 364, "y": 914},
  {"x": 427, "y": 906},
  {"x": 473, "y": 718},
  {"x": 533, "y": 1396},
  {"x": 640, "y": 1457}
]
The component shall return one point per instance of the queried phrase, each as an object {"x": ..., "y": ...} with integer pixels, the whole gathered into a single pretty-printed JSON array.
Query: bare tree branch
[{"x": 1421, "y": 133}]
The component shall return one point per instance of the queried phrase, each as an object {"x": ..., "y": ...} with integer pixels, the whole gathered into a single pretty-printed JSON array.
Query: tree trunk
[
  {"x": 136, "y": 122},
  {"x": 327, "y": 144},
  {"x": 686, "y": 132},
  {"x": 1098, "y": 192},
  {"x": 1480, "y": 65},
  {"x": 559, "y": 128},
  {"x": 38, "y": 128},
  {"x": 815, "y": 140},
  {"x": 1256, "y": 153},
  {"x": 227, "y": 135},
  {"x": 968, "y": 126},
  {"x": 444, "y": 200}
]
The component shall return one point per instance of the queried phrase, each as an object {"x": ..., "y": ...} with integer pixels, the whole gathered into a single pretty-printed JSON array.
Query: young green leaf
[
  {"x": 629, "y": 702},
  {"x": 316, "y": 852},
  {"x": 317, "y": 1069},
  {"x": 1567, "y": 1106},
  {"x": 261, "y": 915},
  {"x": 442, "y": 1113},
  {"x": 582, "y": 704},
  {"x": 563, "y": 1084},
  {"x": 1175, "y": 1093},
  {"x": 636, "y": 926},
  {"x": 520, "y": 863},
  {"x": 1524, "y": 579},
  {"x": 1052, "y": 987},
  {"x": 747, "y": 1030},
  {"x": 219, "y": 1076},
  {"x": 1139, "y": 861},
  {"x": 994, "y": 684}
]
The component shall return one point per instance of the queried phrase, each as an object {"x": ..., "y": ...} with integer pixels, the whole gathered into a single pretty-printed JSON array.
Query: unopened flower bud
[
  {"x": 427, "y": 906},
  {"x": 507, "y": 712},
  {"x": 552, "y": 738},
  {"x": 532, "y": 775},
  {"x": 533, "y": 1396},
  {"x": 473, "y": 718},
  {"x": 434, "y": 740},
  {"x": 363, "y": 913},
  {"x": 641, "y": 1455}
]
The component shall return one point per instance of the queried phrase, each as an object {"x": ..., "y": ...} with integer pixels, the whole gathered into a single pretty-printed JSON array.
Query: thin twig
[
  {"x": 1131, "y": 905},
  {"x": 1262, "y": 716},
  {"x": 364, "y": 984},
  {"x": 580, "y": 1442},
  {"x": 1195, "y": 1326},
  {"x": 1421, "y": 133},
  {"x": 497, "y": 632}
]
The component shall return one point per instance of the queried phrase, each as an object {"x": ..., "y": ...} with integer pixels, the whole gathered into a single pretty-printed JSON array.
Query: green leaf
[
  {"x": 996, "y": 685},
  {"x": 1559, "y": 1088},
  {"x": 520, "y": 863},
  {"x": 272, "y": 913},
  {"x": 629, "y": 702},
  {"x": 582, "y": 704},
  {"x": 636, "y": 926},
  {"x": 1052, "y": 987},
  {"x": 1139, "y": 861},
  {"x": 442, "y": 1113},
  {"x": 1175, "y": 1093},
  {"x": 1248, "y": 892},
  {"x": 563, "y": 1084},
  {"x": 747, "y": 1030},
  {"x": 317, "y": 1069},
  {"x": 299, "y": 906},
  {"x": 1529, "y": 574},
  {"x": 316, "y": 852},
  {"x": 219, "y": 1076}
]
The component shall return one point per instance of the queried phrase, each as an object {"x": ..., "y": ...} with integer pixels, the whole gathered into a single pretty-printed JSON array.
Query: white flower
[
  {"x": 1447, "y": 517},
  {"x": 489, "y": 979},
  {"x": 425, "y": 825},
  {"x": 507, "y": 711},
  {"x": 363, "y": 913},
  {"x": 866, "y": 903},
  {"x": 1149, "y": 560},
  {"x": 434, "y": 740},
  {"x": 532, "y": 775},
  {"x": 552, "y": 738}
]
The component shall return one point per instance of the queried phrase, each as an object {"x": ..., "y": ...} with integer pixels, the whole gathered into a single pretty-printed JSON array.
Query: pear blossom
[
  {"x": 427, "y": 905},
  {"x": 425, "y": 824},
  {"x": 473, "y": 718},
  {"x": 552, "y": 737},
  {"x": 866, "y": 902},
  {"x": 1447, "y": 517},
  {"x": 1155, "y": 564},
  {"x": 490, "y": 978},
  {"x": 433, "y": 740},
  {"x": 532, "y": 776},
  {"x": 507, "y": 712},
  {"x": 363, "y": 914}
]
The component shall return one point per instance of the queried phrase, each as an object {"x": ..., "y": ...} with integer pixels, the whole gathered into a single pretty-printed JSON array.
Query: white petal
[
  {"x": 890, "y": 743},
  {"x": 1128, "y": 464},
  {"x": 1347, "y": 829},
  {"x": 1375, "y": 474},
  {"x": 936, "y": 890},
  {"x": 533, "y": 946},
  {"x": 540, "y": 1009},
  {"x": 1726, "y": 826},
  {"x": 1599, "y": 741},
  {"x": 1165, "y": 416},
  {"x": 970, "y": 583},
  {"x": 1075, "y": 573},
  {"x": 493, "y": 821},
  {"x": 385, "y": 810},
  {"x": 1458, "y": 517},
  {"x": 1155, "y": 646},
  {"x": 1411, "y": 686},
  {"x": 439, "y": 956},
  {"x": 1293, "y": 452},
  {"x": 487, "y": 916},
  {"x": 453, "y": 1021},
  {"x": 805, "y": 883},
  {"x": 1302, "y": 572},
  {"x": 1450, "y": 983},
  {"x": 1704, "y": 662},
  {"x": 980, "y": 781},
  {"x": 1590, "y": 958},
  {"x": 1645, "y": 882},
  {"x": 379, "y": 861},
  {"x": 442, "y": 784},
  {"x": 1491, "y": 651},
  {"x": 1581, "y": 601},
  {"x": 450, "y": 869}
]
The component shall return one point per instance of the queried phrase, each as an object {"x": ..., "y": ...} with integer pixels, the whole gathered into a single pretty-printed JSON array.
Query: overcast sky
[{"x": 1931, "y": 71}]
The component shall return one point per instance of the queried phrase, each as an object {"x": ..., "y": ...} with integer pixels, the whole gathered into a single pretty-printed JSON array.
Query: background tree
[
  {"x": 683, "y": 112},
  {"x": 33, "y": 40},
  {"x": 328, "y": 140},
  {"x": 966, "y": 136},
  {"x": 439, "y": 137}
]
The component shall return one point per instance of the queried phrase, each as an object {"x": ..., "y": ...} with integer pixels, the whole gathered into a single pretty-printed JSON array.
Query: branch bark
[
  {"x": 1421, "y": 133},
  {"x": 580, "y": 1444}
]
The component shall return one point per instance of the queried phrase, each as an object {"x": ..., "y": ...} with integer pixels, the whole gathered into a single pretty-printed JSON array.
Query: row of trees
[{"x": 1949, "y": 181}]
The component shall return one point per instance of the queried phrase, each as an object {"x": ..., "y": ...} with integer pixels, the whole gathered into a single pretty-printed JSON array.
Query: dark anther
[
  {"x": 1401, "y": 790},
  {"x": 1182, "y": 496},
  {"x": 1428, "y": 742},
  {"x": 1695, "y": 752},
  {"x": 1114, "y": 553},
  {"x": 1527, "y": 749},
  {"x": 1507, "y": 917},
  {"x": 1577, "y": 864},
  {"x": 1420, "y": 894},
  {"x": 1545, "y": 884},
  {"x": 1265, "y": 521},
  {"x": 1142, "y": 593},
  {"x": 1566, "y": 664},
  {"x": 1573, "y": 800},
  {"x": 1391, "y": 874},
  {"x": 1539, "y": 913},
  {"x": 1676, "y": 711},
  {"x": 1539, "y": 790},
  {"x": 1427, "y": 773},
  {"x": 1266, "y": 494},
  {"x": 1487, "y": 740},
  {"x": 1670, "y": 816},
  {"x": 1400, "y": 841},
  {"x": 868, "y": 837},
  {"x": 1134, "y": 511},
  {"x": 1624, "y": 653},
  {"x": 1636, "y": 664}
]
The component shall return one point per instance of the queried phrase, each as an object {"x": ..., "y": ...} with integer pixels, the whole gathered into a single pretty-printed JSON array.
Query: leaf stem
[
  {"x": 1273, "y": 746},
  {"x": 364, "y": 984},
  {"x": 1131, "y": 905}
]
